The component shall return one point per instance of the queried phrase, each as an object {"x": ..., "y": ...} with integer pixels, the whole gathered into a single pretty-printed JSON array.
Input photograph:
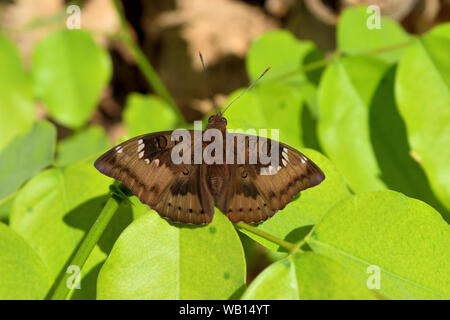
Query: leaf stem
[
  {"x": 291, "y": 247},
  {"x": 142, "y": 62},
  {"x": 63, "y": 291}
]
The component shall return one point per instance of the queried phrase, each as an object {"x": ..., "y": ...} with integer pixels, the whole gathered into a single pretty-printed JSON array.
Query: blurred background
[{"x": 170, "y": 33}]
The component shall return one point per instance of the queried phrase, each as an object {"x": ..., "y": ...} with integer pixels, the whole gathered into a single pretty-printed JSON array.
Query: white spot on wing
[
  {"x": 284, "y": 162},
  {"x": 141, "y": 155},
  {"x": 140, "y": 147},
  {"x": 157, "y": 162},
  {"x": 147, "y": 161}
]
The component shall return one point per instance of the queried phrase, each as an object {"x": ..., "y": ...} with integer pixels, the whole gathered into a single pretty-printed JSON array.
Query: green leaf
[
  {"x": 84, "y": 146},
  {"x": 306, "y": 276},
  {"x": 295, "y": 221},
  {"x": 70, "y": 71},
  {"x": 148, "y": 113},
  {"x": 269, "y": 106},
  {"x": 26, "y": 155},
  {"x": 53, "y": 211},
  {"x": 16, "y": 95},
  {"x": 390, "y": 144},
  {"x": 407, "y": 239},
  {"x": 422, "y": 92},
  {"x": 282, "y": 52},
  {"x": 354, "y": 36},
  {"x": 345, "y": 96},
  {"x": 22, "y": 273},
  {"x": 153, "y": 259}
]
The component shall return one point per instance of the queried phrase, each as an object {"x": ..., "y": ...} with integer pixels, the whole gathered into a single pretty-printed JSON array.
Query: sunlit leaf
[
  {"x": 355, "y": 37},
  {"x": 422, "y": 92},
  {"x": 23, "y": 275},
  {"x": 269, "y": 106},
  {"x": 307, "y": 276},
  {"x": 16, "y": 95},
  {"x": 70, "y": 71},
  {"x": 405, "y": 238},
  {"x": 153, "y": 259},
  {"x": 148, "y": 113},
  {"x": 84, "y": 145},
  {"x": 346, "y": 91},
  {"x": 26, "y": 155},
  {"x": 54, "y": 210}
]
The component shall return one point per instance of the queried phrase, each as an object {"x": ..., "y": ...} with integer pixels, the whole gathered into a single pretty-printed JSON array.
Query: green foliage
[
  {"x": 154, "y": 259},
  {"x": 307, "y": 276},
  {"x": 25, "y": 156},
  {"x": 83, "y": 145},
  {"x": 55, "y": 208},
  {"x": 422, "y": 92},
  {"x": 148, "y": 113},
  {"x": 404, "y": 237},
  {"x": 69, "y": 73},
  {"x": 23, "y": 275},
  {"x": 357, "y": 40},
  {"x": 374, "y": 117},
  {"x": 16, "y": 99}
]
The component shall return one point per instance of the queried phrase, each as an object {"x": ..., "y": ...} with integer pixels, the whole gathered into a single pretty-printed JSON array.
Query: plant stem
[
  {"x": 62, "y": 290},
  {"x": 142, "y": 62},
  {"x": 291, "y": 247}
]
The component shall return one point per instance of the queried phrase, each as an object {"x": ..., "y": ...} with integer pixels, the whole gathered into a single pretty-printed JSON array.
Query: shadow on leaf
[{"x": 390, "y": 143}]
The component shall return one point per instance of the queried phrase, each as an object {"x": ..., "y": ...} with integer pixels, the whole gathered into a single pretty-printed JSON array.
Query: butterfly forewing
[{"x": 144, "y": 165}]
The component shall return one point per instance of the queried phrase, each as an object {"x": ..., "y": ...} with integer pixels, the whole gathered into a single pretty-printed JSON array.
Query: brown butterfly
[{"x": 187, "y": 192}]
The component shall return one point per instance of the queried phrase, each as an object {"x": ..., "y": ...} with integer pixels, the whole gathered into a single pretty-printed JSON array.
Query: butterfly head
[{"x": 217, "y": 121}]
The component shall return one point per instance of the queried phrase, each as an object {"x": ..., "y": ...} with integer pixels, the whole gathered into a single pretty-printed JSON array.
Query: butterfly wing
[
  {"x": 256, "y": 191},
  {"x": 144, "y": 165}
]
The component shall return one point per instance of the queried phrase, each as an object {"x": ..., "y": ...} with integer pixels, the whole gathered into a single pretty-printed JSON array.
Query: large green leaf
[
  {"x": 407, "y": 239},
  {"x": 69, "y": 72},
  {"x": 153, "y": 259},
  {"x": 398, "y": 170},
  {"x": 148, "y": 113},
  {"x": 422, "y": 92},
  {"x": 306, "y": 276},
  {"x": 16, "y": 95},
  {"x": 53, "y": 211},
  {"x": 269, "y": 106},
  {"x": 345, "y": 95},
  {"x": 293, "y": 222},
  {"x": 22, "y": 273},
  {"x": 354, "y": 37},
  {"x": 26, "y": 155},
  {"x": 84, "y": 145},
  {"x": 282, "y": 52}
]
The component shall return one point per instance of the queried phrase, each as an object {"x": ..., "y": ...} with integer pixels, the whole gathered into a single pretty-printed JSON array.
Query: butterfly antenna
[
  {"x": 207, "y": 81},
  {"x": 249, "y": 87}
]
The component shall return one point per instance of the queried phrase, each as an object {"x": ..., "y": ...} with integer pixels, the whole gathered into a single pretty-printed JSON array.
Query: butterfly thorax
[{"x": 218, "y": 122}]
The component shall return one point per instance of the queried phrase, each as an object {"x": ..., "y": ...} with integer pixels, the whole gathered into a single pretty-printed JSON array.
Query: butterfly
[{"x": 187, "y": 192}]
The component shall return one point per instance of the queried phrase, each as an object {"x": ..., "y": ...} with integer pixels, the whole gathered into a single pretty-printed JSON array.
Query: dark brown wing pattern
[
  {"x": 258, "y": 191},
  {"x": 144, "y": 165}
]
